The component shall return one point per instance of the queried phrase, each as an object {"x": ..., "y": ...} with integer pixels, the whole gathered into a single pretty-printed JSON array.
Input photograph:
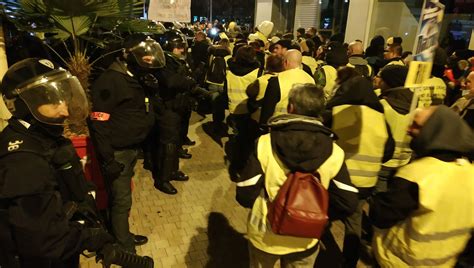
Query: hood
[
  {"x": 302, "y": 143},
  {"x": 357, "y": 60},
  {"x": 356, "y": 91},
  {"x": 242, "y": 69},
  {"x": 219, "y": 51},
  {"x": 444, "y": 131},
  {"x": 399, "y": 98}
]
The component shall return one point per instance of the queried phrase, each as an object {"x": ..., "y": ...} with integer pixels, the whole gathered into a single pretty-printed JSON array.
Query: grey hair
[{"x": 307, "y": 99}]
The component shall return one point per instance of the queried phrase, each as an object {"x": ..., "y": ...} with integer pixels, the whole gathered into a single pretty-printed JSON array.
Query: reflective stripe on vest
[
  {"x": 236, "y": 90},
  {"x": 438, "y": 231},
  {"x": 286, "y": 79},
  {"x": 398, "y": 125},
  {"x": 259, "y": 234},
  {"x": 396, "y": 62},
  {"x": 331, "y": 76},
  {"x": 369, "y": 68},
  {"x": 311, "y": 62},
  {"x": 262, "y": 88},
  {"x": 362, "y": 135}
]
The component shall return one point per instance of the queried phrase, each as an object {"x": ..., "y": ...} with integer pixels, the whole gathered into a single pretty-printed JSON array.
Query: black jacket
[
  {"x": 302, "y": 144},
  {"x": 399, "y": 99},
  {"x": 120, "y": 116},
  {"x": 30, "y": 200},
  {"x": 445, "y": 137},
  {"x": 175, "y": 78}
]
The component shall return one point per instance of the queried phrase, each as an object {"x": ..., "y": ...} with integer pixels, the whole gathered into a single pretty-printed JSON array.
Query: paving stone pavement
[{"x": 201, "y": 226}]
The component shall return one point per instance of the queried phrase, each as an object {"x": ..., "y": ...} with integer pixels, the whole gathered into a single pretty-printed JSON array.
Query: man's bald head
[
  {"x": 355, "y": 48},
  {"x": 293, "y": 59}
]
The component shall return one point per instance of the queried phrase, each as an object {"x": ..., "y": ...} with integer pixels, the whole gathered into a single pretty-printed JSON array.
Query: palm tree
[{"x": 74, "y": 23}]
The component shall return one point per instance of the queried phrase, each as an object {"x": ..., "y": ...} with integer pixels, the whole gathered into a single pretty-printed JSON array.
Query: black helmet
[
  {"x": 144, "y": 51},
  {"x": 172, "y": 39},
  {"x": 40, "y": 88}
]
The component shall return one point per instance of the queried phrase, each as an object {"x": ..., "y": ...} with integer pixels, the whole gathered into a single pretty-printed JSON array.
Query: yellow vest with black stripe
[
  {"x": 236, "y": 91},
  {"x": 398, "y": 125},
  {"x": 311, "y": 62},
  {"x": 362, "y": 135},
  {"x": 262, "y": 88},
  {"x": 286, "y": 79},
  {"x": 437, "y": 232},
  {"x": 258, "y": 228},
  {"x": 330, "y": 78}
]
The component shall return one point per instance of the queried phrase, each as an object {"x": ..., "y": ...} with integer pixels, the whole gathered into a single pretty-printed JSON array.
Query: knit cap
[{"x": 394, "y": 75}]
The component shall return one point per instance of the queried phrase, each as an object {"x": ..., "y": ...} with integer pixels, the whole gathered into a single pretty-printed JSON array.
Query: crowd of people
[{"x": 400, "y": 179}]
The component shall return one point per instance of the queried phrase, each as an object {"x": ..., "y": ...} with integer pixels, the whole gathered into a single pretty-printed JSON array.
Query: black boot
[
  {"x": 180, "y": 176},
  {"x": 183, "y": 153},
  {"x": 169, "y": 163}
]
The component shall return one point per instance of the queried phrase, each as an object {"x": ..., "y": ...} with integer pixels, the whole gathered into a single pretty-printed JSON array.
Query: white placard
[{"x": 170, "y": 10}]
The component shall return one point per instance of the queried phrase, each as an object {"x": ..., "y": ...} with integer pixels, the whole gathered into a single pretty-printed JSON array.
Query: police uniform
[
  {"x": 120, "y": 121},
  {"x": 31, "y": 204}
]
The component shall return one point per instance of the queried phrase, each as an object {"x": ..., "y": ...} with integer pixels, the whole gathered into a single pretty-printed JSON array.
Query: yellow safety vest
[
  {"x": 369, "y": 68},
  {"x": 258, "y": 228},
  {"x": 236, "y": 91},
  {"x": 262, "y": 88},
  {"x": 362, "y": 135},
  {"x": 398, "y": 125},
  {"x": 311, "y": 62},
  {"x": 396, "y": 62},
  {"x": 286, "y": 80},
  {"x": 331, "y": 76},
  {"x": 438, "y": 231}
]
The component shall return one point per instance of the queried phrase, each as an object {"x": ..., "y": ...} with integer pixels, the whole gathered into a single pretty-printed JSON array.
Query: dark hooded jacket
[
  {"x": 399, "y": 99},
  {"x": 302, "y": 144},
  {"x": 241, "y": 68},
  {"x": 444, "y": 136}
]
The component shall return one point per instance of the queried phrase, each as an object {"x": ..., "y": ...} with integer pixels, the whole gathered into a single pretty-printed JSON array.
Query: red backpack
[{"x": 300, "y": 207}]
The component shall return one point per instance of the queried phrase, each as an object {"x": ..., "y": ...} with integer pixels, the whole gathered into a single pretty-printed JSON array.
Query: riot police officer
[
  {"x": 121, "y": 118},
  {"x": 176, "y": 89},
  {"x": 40, "y": 172}
]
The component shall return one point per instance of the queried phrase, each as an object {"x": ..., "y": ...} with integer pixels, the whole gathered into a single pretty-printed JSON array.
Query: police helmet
[
  {"x": 40, "y": 88},
  {"x": 172, "y": 39},
  {"x": 143, "y": 51}
]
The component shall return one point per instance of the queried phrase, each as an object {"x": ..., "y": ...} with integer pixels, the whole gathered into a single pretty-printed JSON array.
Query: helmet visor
[
  {"x": 149, "y": 54},
  {"x": 56, "y": 99}
]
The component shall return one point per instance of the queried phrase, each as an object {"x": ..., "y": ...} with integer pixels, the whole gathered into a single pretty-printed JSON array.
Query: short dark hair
[
  {"x": 245, "y": 54},
  {"x": 307, "y": 99},
  {"x": 301, "y": 31},
  {"x": 274, "y": 63}
]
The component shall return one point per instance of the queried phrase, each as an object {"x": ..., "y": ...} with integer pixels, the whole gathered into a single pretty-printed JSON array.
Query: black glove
[
  {"x": 64, "y": 154},
  {"x": 112, "y": 170},
  {"x": 150, "y": 82},
  {"x": 94, "y": 239}
]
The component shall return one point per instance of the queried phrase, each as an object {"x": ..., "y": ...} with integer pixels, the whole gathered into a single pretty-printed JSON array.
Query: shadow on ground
[{"x": 227, "y": 247}]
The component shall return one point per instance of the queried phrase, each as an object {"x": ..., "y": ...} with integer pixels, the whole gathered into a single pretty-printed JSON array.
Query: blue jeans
[{"x": 121, "y": 199}]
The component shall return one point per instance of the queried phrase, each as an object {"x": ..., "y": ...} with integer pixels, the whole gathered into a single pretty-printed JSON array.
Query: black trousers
[{"x": 164, "y": 147}]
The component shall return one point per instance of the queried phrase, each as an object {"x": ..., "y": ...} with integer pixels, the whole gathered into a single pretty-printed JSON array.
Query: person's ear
[{"x": 290, "y": 108}]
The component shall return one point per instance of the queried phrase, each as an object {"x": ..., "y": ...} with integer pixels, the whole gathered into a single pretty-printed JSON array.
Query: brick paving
[{"x": 201, "y": 226}]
